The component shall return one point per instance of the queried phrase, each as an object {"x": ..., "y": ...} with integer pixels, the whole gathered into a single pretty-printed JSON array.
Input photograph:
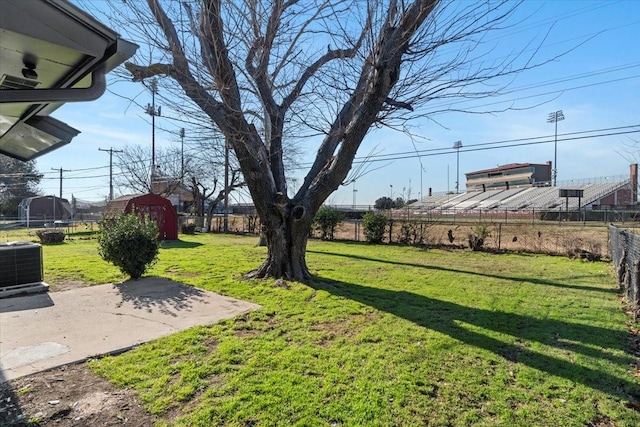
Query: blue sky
[{"x": 597, "y": 86}]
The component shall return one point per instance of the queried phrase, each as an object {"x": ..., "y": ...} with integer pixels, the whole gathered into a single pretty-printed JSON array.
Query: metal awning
[{"x": 51, "y": 53}]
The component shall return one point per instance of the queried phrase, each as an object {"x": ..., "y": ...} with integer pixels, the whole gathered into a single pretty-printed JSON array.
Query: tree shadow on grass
[
  {"x": 475, "y": 273},
  {"x": 179, "y": 244},
  {"x": 451, "y": 319}
]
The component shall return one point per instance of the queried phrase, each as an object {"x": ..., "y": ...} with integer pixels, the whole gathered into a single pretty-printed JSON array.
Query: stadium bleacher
[{"x": 520, "y": 198}]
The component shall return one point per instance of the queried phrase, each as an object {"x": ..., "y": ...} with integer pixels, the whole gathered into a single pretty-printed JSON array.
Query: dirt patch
[
  {"x": 66, "y": 286},
  {"x": 71, "y": 395}
]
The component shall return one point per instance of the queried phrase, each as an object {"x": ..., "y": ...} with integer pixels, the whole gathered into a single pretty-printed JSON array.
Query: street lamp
[
  {"x": 153, "y": 112},
  {"x": 457, "y": 146},
  {"x": 555, "y": 117}
]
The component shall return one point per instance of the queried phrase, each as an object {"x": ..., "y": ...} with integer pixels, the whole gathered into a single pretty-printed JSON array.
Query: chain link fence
[
  {"x": 580, "y": 239},
  {"x": 575, "y": 239},
  {"x": 624, "y": 246}
]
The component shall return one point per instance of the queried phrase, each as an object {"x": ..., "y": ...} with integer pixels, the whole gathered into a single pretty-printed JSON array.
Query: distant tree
[
  {"x": 398, "y": 203},
  {"x": 411, "y": 201},
  {"x": 134, "y": 164},
  {"x": 200, "y": 173},
  {"x": 384, "y": 203},
  {"x": 18, "y": 180}
]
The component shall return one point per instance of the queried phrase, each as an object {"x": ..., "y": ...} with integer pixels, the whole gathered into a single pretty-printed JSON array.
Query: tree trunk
[{"x": 286, "y": 237}]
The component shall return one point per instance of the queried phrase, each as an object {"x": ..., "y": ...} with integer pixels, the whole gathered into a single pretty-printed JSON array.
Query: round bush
[
  {"x": 326, "y": 221},
  {"x": 374, "y": 226},
  {"x": 130, "y": 243}
]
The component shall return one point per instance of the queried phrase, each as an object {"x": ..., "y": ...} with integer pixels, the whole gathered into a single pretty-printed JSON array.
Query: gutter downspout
[{"x": 41, "y": 96}]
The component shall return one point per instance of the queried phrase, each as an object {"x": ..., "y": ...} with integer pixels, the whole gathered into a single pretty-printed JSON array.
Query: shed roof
[{"x": 118, "y": 205}]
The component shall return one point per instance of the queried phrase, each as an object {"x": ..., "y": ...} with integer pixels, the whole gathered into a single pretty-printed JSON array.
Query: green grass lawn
[{"x": 385, "y": 336}]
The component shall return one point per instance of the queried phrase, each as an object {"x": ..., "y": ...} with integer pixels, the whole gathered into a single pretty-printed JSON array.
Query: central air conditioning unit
[{"x": 21, "y": 268}]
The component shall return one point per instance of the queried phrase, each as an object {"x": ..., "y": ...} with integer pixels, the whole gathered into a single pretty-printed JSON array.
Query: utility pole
[
  {"x": 153, "y": 112},
  {"x": 54, "y": 197},
  {"x": 181, "y": 153},
  {"x": 110, "y": 151},
  {"x": 181, "y": 168},
  {"x": 61, "y": 170},
  {"x": 555, "y": 117}
]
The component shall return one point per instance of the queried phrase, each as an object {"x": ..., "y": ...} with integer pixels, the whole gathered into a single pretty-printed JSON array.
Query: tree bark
[{"x": 286, "y": 232}]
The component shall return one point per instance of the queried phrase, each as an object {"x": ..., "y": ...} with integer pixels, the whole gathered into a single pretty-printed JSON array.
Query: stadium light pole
[
  {"x": 457, "y": 145},
  {"x": 555, "y": 117},
  {"x": 354, "y": 194}
]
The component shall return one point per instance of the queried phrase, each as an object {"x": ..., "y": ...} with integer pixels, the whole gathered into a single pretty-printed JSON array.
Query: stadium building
[
  {"x": 511, "y": 175},
  {"x": 527, "y": 186}
]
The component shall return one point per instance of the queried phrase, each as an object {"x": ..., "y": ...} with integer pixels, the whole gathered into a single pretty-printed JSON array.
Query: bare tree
[
  {"x": 267, "y": 73},
  {"x": 177, "y": 171},
  {"x": 135, "y": 176}
]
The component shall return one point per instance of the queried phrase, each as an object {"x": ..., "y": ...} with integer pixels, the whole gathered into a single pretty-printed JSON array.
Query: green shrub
[
  {"x": 480, "y": 233},
  {"x": 47, "y": 236},
  {"x": 130, "y": 243},
  {"x": 410, "y": 234},
  {"x": 326, "y": 221},
  {"x": 374, "y": 225}
]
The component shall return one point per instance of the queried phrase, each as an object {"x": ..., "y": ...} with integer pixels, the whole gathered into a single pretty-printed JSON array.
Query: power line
[
  {"x": 414, "y": 155},
  {"x": 492, "y": 145},
  {"x": 447, "y": 150}
]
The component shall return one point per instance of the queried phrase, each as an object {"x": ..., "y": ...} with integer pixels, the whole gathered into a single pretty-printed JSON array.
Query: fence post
[{"x": 634, "y": 288}]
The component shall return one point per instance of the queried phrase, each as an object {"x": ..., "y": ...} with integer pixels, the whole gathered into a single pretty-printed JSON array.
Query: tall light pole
[
  {"x": 153, "y": 112},
  {"x": 421, "y": 195},
  {"x": 354, "y": 194},
  {"x": 457, "y": 146},
  {"x": 555, "y": 117}
]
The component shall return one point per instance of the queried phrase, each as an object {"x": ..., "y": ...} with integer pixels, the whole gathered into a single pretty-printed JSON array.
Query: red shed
[{"x": 158, "y": 208}]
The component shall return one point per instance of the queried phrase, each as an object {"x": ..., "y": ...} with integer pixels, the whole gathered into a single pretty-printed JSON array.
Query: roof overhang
[{"x": 51, "y": 53}]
